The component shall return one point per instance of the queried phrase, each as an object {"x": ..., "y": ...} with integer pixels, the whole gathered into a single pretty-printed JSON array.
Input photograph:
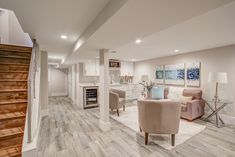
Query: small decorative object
[
  {"x": 193, "y": 74},
  {"x": 175, "y": 74},
  {"x": 160, "y": 74},
  {"x": 147, "y": 87}
]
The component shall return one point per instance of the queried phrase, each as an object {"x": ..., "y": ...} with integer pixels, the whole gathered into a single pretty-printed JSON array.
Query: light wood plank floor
[{"x": 71, "y": 132}]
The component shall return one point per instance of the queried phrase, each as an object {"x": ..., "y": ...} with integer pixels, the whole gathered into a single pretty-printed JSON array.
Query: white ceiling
[
  {"x": 46, "y": 20},
  {"x": 163, "y": 25},
  {"x": 212, "y": 29}
]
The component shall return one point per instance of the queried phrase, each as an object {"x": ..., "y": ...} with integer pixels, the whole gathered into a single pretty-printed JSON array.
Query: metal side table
[{"x": 218, "y": 106}]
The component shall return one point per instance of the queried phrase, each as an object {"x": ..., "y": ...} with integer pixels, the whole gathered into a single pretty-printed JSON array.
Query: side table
[{"x": 218, "y": 106}]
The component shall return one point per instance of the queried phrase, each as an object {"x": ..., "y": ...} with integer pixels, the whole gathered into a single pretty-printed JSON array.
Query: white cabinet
[
  {"x": 127, "y": 68},
  {"x": 91, "y": 68}
]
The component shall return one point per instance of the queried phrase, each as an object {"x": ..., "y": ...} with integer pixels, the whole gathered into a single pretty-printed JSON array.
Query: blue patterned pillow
[{"x": 158, "y": 93}]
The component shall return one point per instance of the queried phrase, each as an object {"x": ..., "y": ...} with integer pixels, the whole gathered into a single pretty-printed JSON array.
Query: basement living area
[{"x": 117, "y": 78}]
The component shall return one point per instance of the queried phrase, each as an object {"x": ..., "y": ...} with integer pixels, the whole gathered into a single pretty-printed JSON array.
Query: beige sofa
[
  {"x": 117, "y": 100},
  {"x": 159, "y": 117}
]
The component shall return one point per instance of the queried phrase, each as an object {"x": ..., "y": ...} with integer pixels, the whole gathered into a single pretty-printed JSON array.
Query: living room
[{"x": 202, "y": 88}]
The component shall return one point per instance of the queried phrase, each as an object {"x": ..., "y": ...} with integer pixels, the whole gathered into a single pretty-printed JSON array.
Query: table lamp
[{"x": 217, "y": 77}]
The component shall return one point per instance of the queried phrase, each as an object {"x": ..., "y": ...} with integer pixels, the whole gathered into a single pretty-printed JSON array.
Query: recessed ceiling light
[
  {"x": 176, "y": 50},
  {"x": 138, "y": 41},
  {"x": 132, "y": 59},
  {"x": 63, "y": 37}
]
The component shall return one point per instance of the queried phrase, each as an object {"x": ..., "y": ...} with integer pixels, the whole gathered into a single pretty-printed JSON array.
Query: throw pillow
[
  {"x": 184, "y": 99},
  {"x": 158, "y": 93},
  {"x": 175, "y": 93}
]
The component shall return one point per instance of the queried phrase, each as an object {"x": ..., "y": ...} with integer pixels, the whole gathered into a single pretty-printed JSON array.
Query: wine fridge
[{"x": 90, "y": 97}]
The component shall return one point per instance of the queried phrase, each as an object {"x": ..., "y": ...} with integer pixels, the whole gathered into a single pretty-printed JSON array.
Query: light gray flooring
[{"x": 71, "y": 132}]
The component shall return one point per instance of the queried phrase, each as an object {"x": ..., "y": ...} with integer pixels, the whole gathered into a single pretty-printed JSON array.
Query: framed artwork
[
  {"x": 175, "y": 74},
  {"x": 160, "y": 74},
  {"x": 193, "y": 72}
]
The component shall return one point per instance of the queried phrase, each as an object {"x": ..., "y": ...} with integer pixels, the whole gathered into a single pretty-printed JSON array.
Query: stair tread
[
  {"x": 10, "y": 152},
  {"x": 14, "y": 101},
  {"x": 11, "y": 71},
  {"x": 13, "y": 90},
  {"x": 12, "y": 115},
  {"x": 8, "y": 63},
  {"x": 15, "y": 48},
  {"x": 13, "y": 80},
  {"x": 15, "y": 56},
  {"x": 11, "y": 132}
]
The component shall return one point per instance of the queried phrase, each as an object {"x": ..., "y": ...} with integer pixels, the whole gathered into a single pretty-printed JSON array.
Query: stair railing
[{"x": 31, "y": 91}]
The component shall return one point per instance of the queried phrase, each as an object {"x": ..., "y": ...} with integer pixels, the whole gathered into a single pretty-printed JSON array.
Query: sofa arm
[
  {"x": 121, "y": 94},
  {"x": 196, "y": 103},
  {"x": 196, "y": 107},
  {"x": 113, "y": 100}
]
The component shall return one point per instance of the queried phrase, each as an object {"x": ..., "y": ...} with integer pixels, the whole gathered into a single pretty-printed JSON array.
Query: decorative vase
[{"x": 149, "y": 94}]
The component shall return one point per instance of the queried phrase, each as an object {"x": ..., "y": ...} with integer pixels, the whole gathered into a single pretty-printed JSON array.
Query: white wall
[
  {"x": 4, "y": 26},
  {"x": 217, "y": 59},
  {"x": 11, "y": 31},
  {"x": 58, "y": 81}
]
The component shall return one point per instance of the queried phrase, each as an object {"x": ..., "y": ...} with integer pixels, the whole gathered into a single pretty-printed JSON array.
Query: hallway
[{"x": 71, "y": 132}]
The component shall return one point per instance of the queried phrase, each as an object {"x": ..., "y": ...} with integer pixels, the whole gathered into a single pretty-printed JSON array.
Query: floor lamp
[{"x": 217, "y": 77}]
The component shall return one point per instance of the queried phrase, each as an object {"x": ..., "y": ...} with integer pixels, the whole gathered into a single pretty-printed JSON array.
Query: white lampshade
[{"x": 220, "y": 77}]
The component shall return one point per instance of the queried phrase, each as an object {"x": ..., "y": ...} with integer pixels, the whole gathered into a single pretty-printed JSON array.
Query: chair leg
[
  {"x": 146, "y": 135},
  {"x": 124, "y": 107},
  {"x": 118, "y": 112},
  {"x": 173, "y": 139}
]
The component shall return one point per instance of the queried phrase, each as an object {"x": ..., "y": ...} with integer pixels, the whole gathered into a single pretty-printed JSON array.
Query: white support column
[
  {"x": 78, "y": 98},
  {"x": 73, "y": 84},
  {"x": 44, "y": 83},
  {"x": 104, "y": 90}
]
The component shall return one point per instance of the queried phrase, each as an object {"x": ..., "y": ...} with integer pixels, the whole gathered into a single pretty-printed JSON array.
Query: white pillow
[{"x": 175, "y": 93}]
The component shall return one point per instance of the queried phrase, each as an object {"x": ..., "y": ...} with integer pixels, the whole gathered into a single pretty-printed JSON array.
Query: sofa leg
[
  {"x": 173, "y": 139},
  {"x": 118, "y": 112},
  {"x": 140, "y": 129},
  {"x": 146, "y": 136},
  {"x": 124, "y": 107}
]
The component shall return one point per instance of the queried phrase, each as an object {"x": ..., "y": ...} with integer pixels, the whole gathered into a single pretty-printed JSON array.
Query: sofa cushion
[{"x": 158, "y": 93}]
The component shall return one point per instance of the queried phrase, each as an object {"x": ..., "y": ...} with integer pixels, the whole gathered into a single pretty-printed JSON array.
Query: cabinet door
[
  {"x": 127, "y": 68},
  {"x": 89, "y": 68},
  {"x": 124, "y": 68},
  {"x": 130, "y": 69}
]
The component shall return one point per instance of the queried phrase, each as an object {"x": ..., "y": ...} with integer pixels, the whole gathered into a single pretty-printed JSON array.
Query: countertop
[{"x": 114, "y": 84}]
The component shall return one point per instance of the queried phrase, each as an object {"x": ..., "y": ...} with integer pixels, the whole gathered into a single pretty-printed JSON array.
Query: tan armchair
[
  {"x": 117, "y": 99},
  {"x": 159, "y": 117}
]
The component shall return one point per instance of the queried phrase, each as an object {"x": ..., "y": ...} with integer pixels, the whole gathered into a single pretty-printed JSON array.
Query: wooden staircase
[{"x": 14, "y": 68}]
